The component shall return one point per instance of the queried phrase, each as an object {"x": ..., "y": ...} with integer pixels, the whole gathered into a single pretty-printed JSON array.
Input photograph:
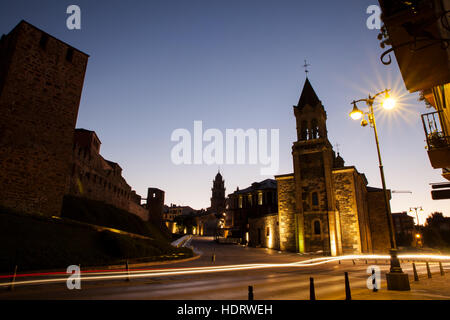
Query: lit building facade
[{"x": 323, "y": 206}]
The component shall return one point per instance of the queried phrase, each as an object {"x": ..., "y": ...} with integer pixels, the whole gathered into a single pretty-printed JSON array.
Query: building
[
  {"x": 172, "y": 212},
  {"x": 249, "y": 207},
  {"x": 218, "y": 195},
  {"x": 203, "y": 222},
  {"x": 211, "y": 222},
  {"x": 404, "y": 228},
  {"x": 323, "y": 206},
  {"x": 171, "y": 216},
  {"x": 419, "y": 35},
  {"x": 42, "y": 156},
  {"x": 41, "y": 80},
  {"x": 155, "y": 206},
  {"x": 96, "y": 178}
]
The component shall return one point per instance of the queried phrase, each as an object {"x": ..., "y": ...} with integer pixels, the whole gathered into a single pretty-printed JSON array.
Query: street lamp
[
  {"x": 416, "y": 209},
  {"x": 396, "y": 278}
]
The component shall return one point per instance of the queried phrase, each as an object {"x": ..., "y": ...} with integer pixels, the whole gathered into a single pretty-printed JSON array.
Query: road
[{"x": 287, "y": 283}]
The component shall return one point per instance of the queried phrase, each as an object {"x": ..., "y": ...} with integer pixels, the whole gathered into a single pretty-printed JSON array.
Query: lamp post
[
  {"x": 417, "y": 235},
  {"x": 416, "y": 209},
  {"x": 396, "y": 278}
]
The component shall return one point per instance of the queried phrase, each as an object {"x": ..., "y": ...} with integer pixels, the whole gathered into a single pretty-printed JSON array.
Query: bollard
[
  {"x": 416, "y": 276},
  {"x": 128, "y": 271},
  {"x": 250, "y": 293},
  {"x": 339, "y": 261},
  {"x": 348, "y": 294},
  {"x": 11, "y": 288},
  {"x": 366, "y": 261},
  {"x": 441, "y": 269},
  {"x": 375, "y": 261},
  {"x": 374, "y": 281},
  {"x": 312, "y": 291},
  {"x": 428, "y": 270},
  {"x": 353, "y": 261}
]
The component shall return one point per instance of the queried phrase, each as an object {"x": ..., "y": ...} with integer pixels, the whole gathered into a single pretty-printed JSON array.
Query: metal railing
[{"x": 436, "y": 136}]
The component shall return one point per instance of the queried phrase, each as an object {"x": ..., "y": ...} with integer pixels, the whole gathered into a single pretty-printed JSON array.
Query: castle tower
[
  {"x": 313, "y": 158},
  {"x": 41, "y": 80},
  {"x": 155, "y": 204},
  {"x": 218, "y": 194}
]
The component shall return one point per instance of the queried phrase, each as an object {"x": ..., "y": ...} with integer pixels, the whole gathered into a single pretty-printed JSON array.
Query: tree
[
  {"x": 433, "y": 233},
  {"x": 435, "y": 219}
]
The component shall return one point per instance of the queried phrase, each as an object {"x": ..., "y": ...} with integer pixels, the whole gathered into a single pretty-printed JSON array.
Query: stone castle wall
[
  {"x": 41, "y": 80},
  {"x": 95, "y": 178}
]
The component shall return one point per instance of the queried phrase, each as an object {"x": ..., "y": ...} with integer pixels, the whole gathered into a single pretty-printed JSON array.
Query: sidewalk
[{"x": 436, "y": 288}]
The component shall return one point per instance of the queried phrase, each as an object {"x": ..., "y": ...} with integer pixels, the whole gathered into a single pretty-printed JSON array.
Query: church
[{"x": 324, "y": 206}]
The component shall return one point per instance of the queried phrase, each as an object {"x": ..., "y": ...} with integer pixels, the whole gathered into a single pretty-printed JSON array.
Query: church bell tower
[
  {"x": 316, "y": 219},
  {"x": 218, "y": 194}
]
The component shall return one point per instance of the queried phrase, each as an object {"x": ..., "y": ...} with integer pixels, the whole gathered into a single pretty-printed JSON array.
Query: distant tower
[
  {"x": 155, "y": 204},
  {"x": 41, "y": 80},
  {"x": 313, "y": 159},
  {"x": 218, "y": 194}
]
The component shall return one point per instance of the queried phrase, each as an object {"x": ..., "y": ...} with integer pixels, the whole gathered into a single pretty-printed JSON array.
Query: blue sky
[{"x": 156, "y": 66}]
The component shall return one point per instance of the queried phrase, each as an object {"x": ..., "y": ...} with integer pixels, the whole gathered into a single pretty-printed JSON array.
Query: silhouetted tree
[{"x": 434, "y": 233}]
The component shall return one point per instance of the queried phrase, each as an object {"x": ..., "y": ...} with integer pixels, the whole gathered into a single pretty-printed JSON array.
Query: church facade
[{"x": 323, "y": 206}]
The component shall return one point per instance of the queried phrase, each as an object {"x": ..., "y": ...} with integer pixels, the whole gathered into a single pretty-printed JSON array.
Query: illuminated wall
[
  {"x": 288, "y": 230},
  {"x": 264, "y": 232}
]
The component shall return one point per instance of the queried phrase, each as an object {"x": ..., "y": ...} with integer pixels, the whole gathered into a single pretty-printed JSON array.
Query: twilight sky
[{"x": 160, "y": 65}]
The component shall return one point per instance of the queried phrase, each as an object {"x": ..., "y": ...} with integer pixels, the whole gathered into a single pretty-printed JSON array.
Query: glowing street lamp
[
  {"x": 416, "y": 209},
  {"x": 396, "y": 278},
  {"x": 389, "y": 102},
  {"x": 356, "y": 114}
]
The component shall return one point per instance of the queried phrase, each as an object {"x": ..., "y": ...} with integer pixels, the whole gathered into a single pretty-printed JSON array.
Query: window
[
  {"x": 317, "y": 228},
  {"x": 315, "y": 199},
  {"x": 314, "y": 129},
  {"x": 240, "y": 202},
  {"x": 260, "y": 198},
  {"x": 43, "y": 42},
  {"x": 304, "y": 130}
]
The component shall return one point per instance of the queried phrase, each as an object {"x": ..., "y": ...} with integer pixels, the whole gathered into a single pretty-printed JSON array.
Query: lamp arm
[{"x": 380, "y": 93}]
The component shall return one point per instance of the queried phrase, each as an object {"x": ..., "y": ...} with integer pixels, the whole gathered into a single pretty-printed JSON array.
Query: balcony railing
[
  {"x": 436, "y": 137},
  {"x": 438, "y": 141}
]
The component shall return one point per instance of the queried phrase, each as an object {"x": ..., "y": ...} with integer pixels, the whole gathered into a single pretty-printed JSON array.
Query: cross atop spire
[
  {"x": 306, "y": 65},
  {"x": 337, "y": 145}
]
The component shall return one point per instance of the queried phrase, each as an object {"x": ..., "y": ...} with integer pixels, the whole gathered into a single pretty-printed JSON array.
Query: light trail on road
[{"x": 149, "y": 273}]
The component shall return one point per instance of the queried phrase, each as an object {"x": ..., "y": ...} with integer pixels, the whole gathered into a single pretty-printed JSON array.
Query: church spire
[{"x": 308, "y": 96}]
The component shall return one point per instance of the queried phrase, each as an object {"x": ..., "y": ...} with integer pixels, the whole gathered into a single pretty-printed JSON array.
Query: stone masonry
[
  {"x": 96, "y": 178},
  {"x": 41, "y": 80}
]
